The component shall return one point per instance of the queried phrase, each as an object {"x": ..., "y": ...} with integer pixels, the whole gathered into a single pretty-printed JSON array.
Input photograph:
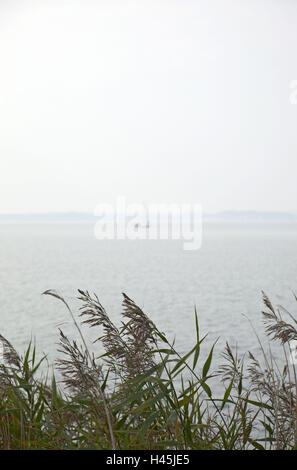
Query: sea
[{"x": 223, "y": 280}]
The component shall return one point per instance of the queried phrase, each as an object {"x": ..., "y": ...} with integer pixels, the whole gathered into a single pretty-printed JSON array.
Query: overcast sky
[{"x": 158, "y": 101}]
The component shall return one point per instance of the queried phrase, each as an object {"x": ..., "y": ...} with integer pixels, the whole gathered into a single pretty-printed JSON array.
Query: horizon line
[{"x": 224, "y": 213}]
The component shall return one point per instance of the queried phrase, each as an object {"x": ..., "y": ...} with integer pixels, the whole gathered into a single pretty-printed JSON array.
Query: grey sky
[{"x": 158, "y": 101}]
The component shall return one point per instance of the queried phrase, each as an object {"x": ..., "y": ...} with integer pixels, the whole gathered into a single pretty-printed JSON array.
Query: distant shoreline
[{"x": 84, "y": 217}]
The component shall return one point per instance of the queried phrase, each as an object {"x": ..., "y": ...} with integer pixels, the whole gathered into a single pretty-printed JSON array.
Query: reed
[{"x": 142, "y": 393}]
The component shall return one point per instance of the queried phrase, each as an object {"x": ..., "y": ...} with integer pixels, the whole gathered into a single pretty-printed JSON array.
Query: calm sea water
[{"x": 223, "y": 279}]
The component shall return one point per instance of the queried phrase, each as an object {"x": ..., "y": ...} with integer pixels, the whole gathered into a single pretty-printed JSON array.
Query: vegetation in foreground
[{"x": 142, "y": 394}]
